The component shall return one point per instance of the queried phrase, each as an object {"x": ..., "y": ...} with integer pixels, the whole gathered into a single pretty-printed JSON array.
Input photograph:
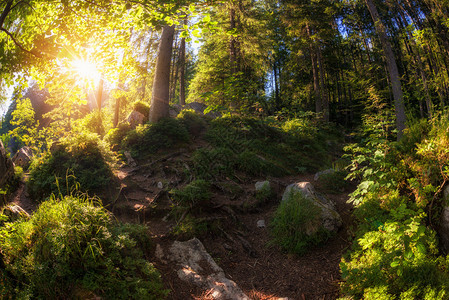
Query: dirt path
[{"x": 242, "y": 249}]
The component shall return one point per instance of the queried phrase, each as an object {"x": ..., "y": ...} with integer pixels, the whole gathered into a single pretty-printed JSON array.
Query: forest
[{"x": 224, "y": 149}]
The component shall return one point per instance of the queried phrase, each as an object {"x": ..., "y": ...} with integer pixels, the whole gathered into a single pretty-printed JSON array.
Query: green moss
[{"x": 72, "y": 247}]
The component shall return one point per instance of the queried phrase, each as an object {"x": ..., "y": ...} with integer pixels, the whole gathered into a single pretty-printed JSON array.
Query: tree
[
  {"x": 161, "y": 86},
  {"x": 392, "y": 68}
]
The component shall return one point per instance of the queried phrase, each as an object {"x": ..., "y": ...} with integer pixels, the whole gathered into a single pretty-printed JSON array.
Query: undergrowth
[
  {"x": 83, "y": 158},
  {"x": 296, "y": 225},
  {"x": 71, "y": 248},
  {"x": 398, "y": 202}
]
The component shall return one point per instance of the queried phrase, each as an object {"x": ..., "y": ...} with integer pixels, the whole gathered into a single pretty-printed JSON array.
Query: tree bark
[
  {"x": 392, "y": 68},
  {"x": 182, "y": 66},
  {"x": 161, "y": 87}
]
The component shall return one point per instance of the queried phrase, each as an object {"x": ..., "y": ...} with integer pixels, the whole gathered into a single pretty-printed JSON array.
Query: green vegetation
[
  {"x": 150, "y": 138},
  {"x": 296, "y": 225},
  {"x": 72, "y": 248},
  {"x": 395, "y": 251},
  {"x": 83, "y": 159}
]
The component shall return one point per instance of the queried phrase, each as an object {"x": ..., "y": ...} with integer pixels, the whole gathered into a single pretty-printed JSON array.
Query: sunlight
[{"x": 86, "y": 70}]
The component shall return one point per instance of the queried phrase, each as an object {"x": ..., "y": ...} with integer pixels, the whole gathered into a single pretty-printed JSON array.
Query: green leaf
[
  {"x": 206, "y": 19},
  {"x": 421, "y": 248},
  {"x": 395, "y": 263}
]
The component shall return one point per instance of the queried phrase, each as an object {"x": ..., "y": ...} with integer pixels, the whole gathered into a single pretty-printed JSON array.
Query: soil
[{"x": 237, "y": 244}]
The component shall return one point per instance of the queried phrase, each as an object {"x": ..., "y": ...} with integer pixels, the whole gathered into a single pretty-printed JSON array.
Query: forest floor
[
  {"x": 232, "y": 235},
  {"x": 234, "y": 240}
]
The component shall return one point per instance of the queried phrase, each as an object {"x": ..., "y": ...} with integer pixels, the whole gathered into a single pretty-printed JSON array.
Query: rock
[
  {"x": 6, "y": 166},
  {"x": 22, "y": 158},
  {"x": 135, "y": 118},
  {"x": 130, "y": 160},
  {"x": 325, "y": 172},
  {"x": 15, "y": 212},
  {"x": 197, "y": 267},
  {"x": 329, "y": 217},
  {"x": 160, "y": 185},
  {"x": 261, "y": 185},
  {"x": 261, "y": 224},
  {"x": 174, "y": 110},
  {"x": 197, "y": 107}
]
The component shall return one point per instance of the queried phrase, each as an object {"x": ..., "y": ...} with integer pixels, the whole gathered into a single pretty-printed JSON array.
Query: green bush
[
  {"x": 192, "y": 195},
  {"x": 83, "y": 159},
  {"x": 395, "y": 254},
  {"x": 150, "y": 138},
  {"x": 116, "y": 136},
  {"x": 72, "y": 249},
  {"x": 296, "y": 225},
  {"x": 143, "y": 108},
  {"x": 191, "y": 120}
]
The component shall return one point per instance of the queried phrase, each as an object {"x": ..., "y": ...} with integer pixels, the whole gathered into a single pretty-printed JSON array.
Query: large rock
[
  {"x": 22, "y": 158},
  {"x": 6, "y": 167},
  {"x": 135, "y": 118},
  {"x": 329, "y": 217},
  {"x": 15, "y": 212},
  {"x": 325, "y": 172},
  {"x": 197, "y": 107},
  {"x": 197, "y": 267}
]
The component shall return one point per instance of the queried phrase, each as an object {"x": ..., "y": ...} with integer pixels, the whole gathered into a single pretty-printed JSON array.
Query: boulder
[
  {"x": 6, "y": 166},
  {"x": 174, "y": 110},
  {"x": 15, "y": 212},
  {"x": 262, "y": 185},
  {"x": 196, "y": 266},
  {"x": 325, "y": 172},
  {"x": 135, "y": 118},
  {"x": 329, "y": 217},
  {"x": 197, "y": 107},
  {"x": 22, "y": 158}
]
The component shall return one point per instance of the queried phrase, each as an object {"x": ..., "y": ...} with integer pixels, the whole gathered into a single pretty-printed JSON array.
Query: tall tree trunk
[
  {"x": 182, "y": 66},
  {"x": 392, "y": 68},
  {"x": 324, "y": 96},
  {"x": 161, "y": 86},
  {"x": 117, "y": 112},
  {"x": 316, "y": 80}
]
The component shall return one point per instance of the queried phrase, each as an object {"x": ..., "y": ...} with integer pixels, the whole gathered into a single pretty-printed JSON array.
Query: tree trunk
[
  {"x": 316, "y": 80},
  {"x": 161, "y": 86},
  {"x": 182, "y": 66},
  {"x": 392, "y": 68},
  {"x": 116, "y": 112}
]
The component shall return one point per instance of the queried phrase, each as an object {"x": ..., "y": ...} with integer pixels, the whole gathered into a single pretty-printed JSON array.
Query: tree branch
[
  {"x": 5, "y": 12},
  {"x": 34, "y": 53}
]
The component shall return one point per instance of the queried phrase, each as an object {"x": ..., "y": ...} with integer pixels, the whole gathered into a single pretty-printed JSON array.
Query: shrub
[
  {"x": 72, "y": 248},
  {"x": 143, "y": 108},
  {"x": 395, "y": 252},
  {"x": 115, "y": 136},
  {"x": 192, "y": 195},
  {"x": 83, "y": 159},
  {"x": 191, "y": 120},
  {"x": 148, "y": 139},
  {"x": 295, "y": 226}
]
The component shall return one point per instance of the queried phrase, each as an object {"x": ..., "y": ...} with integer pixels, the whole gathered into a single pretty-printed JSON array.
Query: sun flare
[{"x": 86, "y": 70}]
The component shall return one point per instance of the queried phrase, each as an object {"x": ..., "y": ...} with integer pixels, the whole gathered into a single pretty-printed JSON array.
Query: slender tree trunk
[
  {"x": 392, "y": 68},
  {"x": 316, "y": 80},
  {"x": 182, "y": 66},
  {"x": 324, "y": 96},
  {"x": 117, "y": 111},
  {"x": 161, "y": 86}
]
